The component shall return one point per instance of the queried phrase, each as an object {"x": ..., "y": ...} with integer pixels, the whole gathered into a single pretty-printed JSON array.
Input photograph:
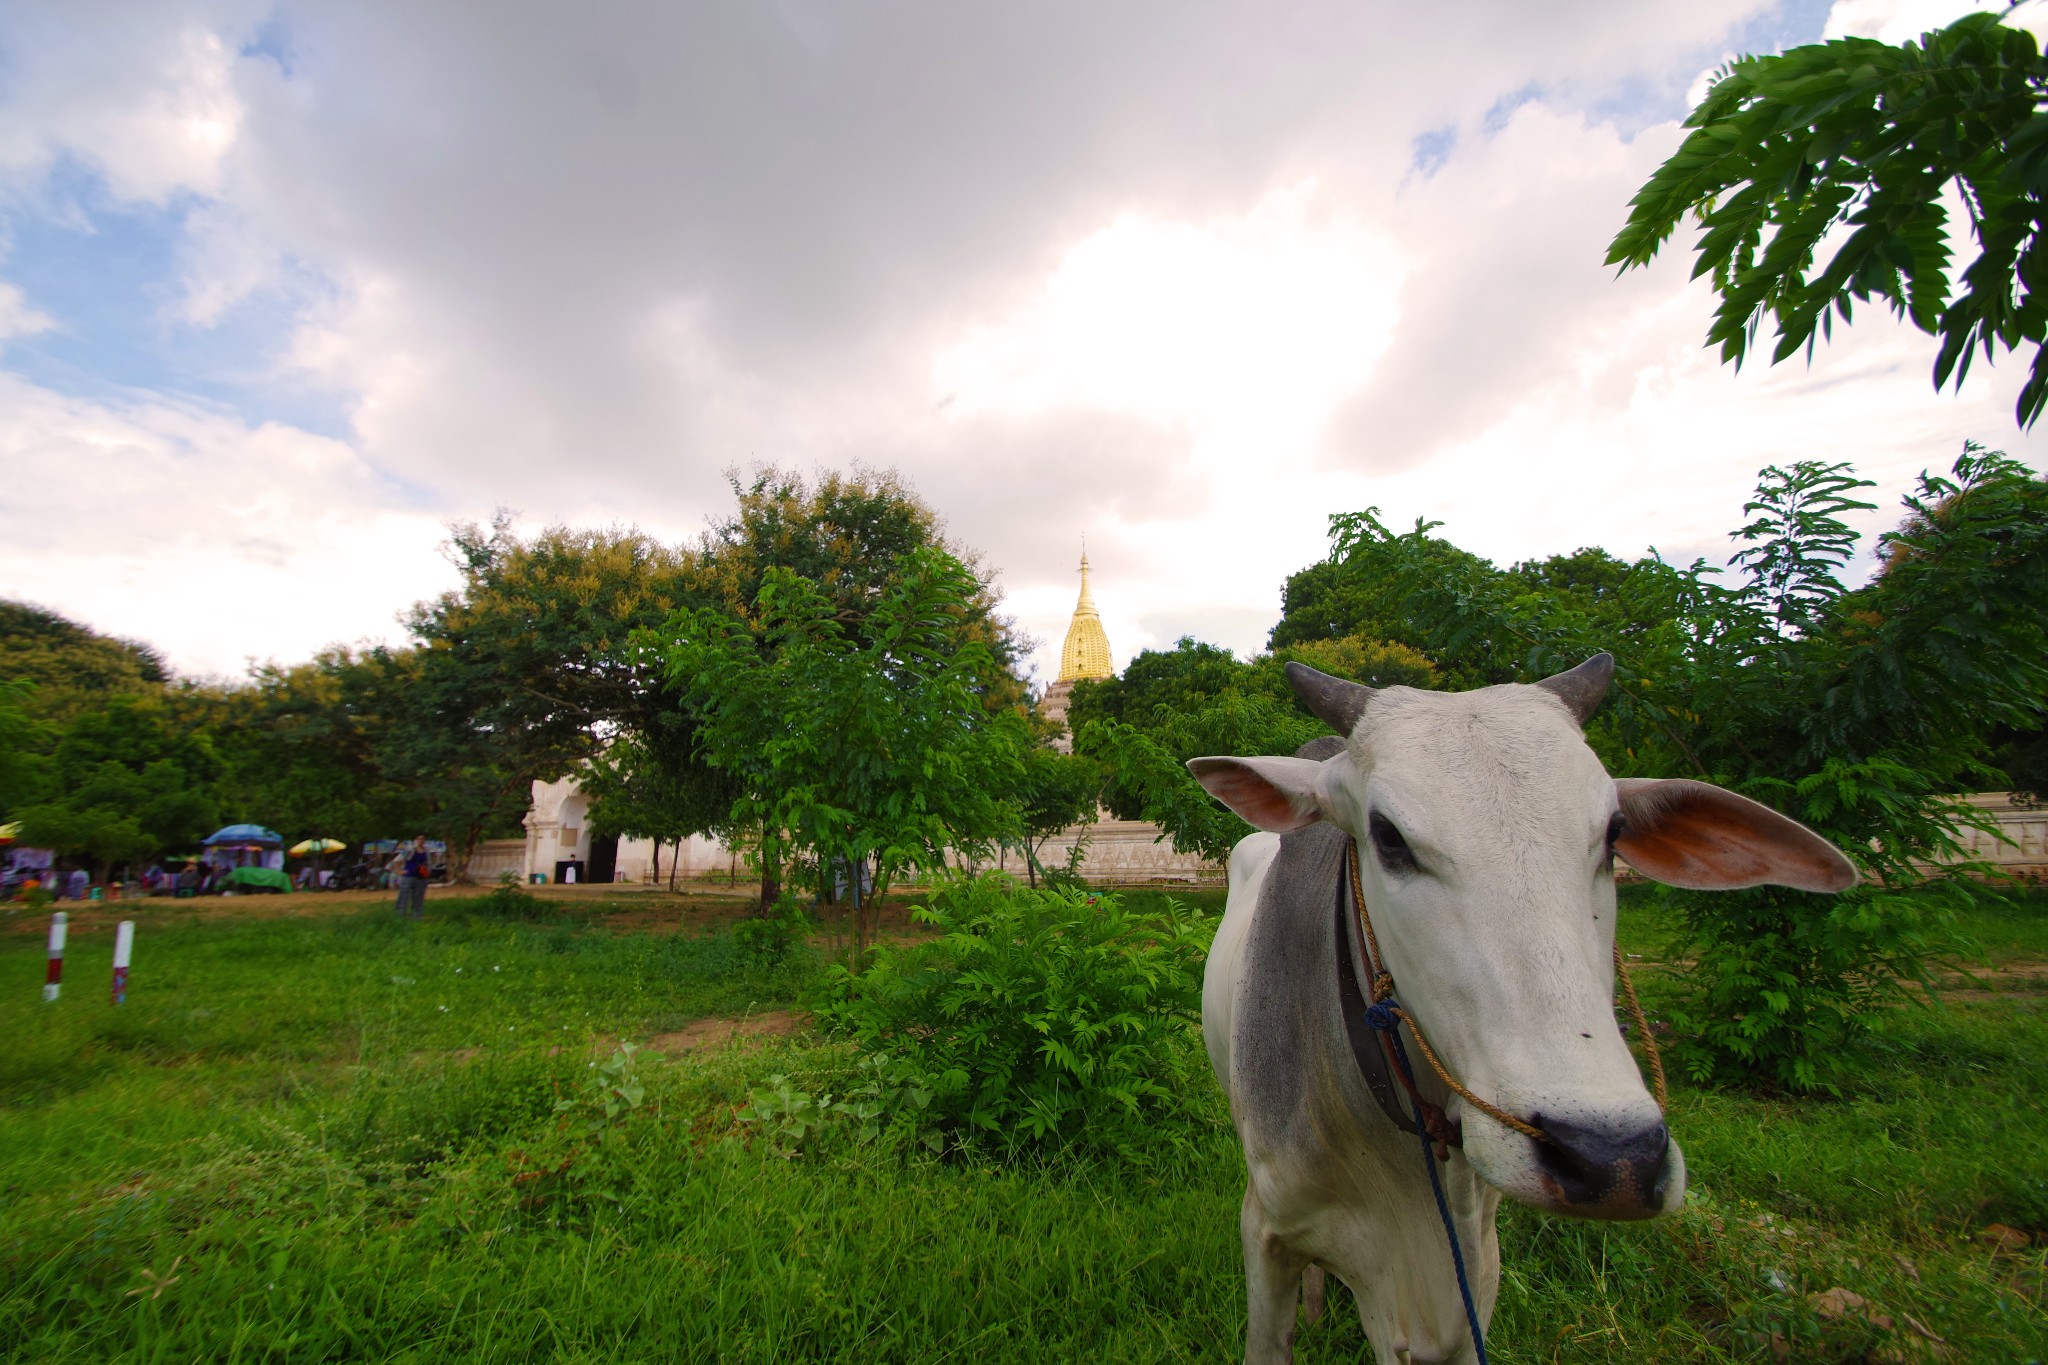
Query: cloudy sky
[{"x": 284, "y": 288}]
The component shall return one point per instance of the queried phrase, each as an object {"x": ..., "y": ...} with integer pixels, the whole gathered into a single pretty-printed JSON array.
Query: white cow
[{"x": 1486, "y": 832}]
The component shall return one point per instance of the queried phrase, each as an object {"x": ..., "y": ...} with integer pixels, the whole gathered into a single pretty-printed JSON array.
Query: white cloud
[
  {"x": 1167, "y": 277},
  {"x": 1259, "y": 322},
  {"x": 1899, "y": 21},
  {"x": 144, "y": 94},
  {"x": 217, "y": 540},
  {"x": 17, "y": 318}
]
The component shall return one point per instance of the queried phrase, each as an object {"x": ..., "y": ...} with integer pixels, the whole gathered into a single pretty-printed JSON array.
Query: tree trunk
[
  {"x": 675, "y": 864},
  {"x": 860, "y": 920},
  {"x": 458, "y": 857},
  {"x": 656, "y": 878},
  {"x": 771, "y": 875}
]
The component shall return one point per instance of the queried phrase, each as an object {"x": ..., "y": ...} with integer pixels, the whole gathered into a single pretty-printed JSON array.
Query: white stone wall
[
  {"x": 1128, "y": 853},
  {"x": 697, "y": 857},
  {"x": 2021, "y": 846},
  {"x": 1118, "y": 852},
  {"x": 493, "y": 858}
]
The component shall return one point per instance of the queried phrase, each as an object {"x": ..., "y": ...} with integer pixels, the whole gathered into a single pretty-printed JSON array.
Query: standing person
[{"x": 412, "y": 880}]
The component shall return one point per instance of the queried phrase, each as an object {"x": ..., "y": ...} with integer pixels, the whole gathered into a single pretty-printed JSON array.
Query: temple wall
[
  {"x": 1128, "y": 853},
  {"x": 494, "y": 858},
  {"x": 2021, "y": 847},
  {"x": 1116, "y": 852}
]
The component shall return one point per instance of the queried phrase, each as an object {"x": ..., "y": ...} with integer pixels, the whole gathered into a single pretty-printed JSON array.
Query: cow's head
[{"x": 1486, "y": 831}]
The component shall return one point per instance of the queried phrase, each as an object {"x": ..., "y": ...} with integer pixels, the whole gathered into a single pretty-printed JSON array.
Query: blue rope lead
[{"x": 1380, "y": 1015}]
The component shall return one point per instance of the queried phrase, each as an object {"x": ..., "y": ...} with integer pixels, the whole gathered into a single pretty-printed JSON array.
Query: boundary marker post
[
  {"x": 124, "y": 947},
  {"x": 53, "y": 979}
]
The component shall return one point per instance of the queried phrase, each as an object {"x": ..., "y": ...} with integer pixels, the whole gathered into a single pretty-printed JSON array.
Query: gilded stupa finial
[{"x": 1086, "y": 652}]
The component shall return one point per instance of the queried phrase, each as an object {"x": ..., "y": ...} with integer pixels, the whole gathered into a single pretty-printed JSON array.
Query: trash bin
[{"x": 537, "y": 879}]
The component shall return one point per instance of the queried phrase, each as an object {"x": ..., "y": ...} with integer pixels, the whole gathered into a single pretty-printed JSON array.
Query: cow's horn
[
  {"x": 1582, "y": 688},
  {"x": 1333, "y": 701}
]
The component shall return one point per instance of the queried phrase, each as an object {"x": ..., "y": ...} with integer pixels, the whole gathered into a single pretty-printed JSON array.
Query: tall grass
[{"x": 285, "y": 1148}]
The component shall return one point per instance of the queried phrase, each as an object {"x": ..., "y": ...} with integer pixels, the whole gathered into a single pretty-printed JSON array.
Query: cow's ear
[
  {"x": 1277, "y": 794},
  {"x": 1697, "y": 835}
]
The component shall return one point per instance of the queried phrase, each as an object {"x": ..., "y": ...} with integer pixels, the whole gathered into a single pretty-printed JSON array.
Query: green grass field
[{"x": 336, "y": 1138}]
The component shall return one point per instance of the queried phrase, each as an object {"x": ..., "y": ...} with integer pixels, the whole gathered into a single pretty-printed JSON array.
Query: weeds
[
  {"x": 1036, "y": 1019},
  {"x": 332, "y": 1167}
]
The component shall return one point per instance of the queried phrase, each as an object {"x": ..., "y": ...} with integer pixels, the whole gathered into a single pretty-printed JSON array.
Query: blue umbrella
[{"x": 245, "y": 834}]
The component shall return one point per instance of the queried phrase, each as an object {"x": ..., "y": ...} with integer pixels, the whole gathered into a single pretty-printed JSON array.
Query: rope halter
[{"x": 1385, "y": 1014}]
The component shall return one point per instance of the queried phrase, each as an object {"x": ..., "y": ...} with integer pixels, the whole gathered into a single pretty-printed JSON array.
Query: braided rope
[
  {"x": 1383, "y": 1001},
  {"x": 1642, "y": 1023}
]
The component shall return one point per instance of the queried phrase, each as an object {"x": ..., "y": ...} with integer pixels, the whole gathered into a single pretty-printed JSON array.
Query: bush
[
  {"x": 1859, "y": 711},
  {"x": 508, "y": 900},
  {"x": 1037, "y": 1019},
  {"x": 766, "y": 941}
]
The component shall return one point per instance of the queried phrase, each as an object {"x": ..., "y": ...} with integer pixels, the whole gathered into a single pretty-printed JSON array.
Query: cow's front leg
[{"x": 1272, "y": 1280}]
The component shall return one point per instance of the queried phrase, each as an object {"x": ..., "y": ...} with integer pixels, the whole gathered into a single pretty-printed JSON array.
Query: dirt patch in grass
[
  {"x": 702, "y": 1034},
  {"x": 1993, "y": 983}
]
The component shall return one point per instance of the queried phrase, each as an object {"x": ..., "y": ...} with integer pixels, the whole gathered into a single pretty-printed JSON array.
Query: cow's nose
[{"x": 1620, "y": 1170}]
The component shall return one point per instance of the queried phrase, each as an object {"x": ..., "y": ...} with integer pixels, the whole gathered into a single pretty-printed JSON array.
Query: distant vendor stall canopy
[{"x": 245, "y": 836}]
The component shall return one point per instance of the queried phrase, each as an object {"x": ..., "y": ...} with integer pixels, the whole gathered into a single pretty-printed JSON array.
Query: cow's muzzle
[{"x": 1604, "y": 1171}]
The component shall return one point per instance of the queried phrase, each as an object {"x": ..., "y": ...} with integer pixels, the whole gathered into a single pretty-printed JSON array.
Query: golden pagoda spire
[{"x": 1086, "y": 652}]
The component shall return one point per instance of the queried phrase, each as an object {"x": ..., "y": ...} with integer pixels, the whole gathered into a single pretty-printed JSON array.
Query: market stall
[{"x": 235, "y": 846}]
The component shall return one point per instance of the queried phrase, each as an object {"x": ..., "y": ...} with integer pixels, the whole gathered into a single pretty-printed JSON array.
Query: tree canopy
[
  {"x": 1172, "y": 705},
  {"x": 72, "y": 667},
  {"x": 858, "y": 743},
  {"x": 1855, "y": 147},
  {"x": 1856, "y": 710}
]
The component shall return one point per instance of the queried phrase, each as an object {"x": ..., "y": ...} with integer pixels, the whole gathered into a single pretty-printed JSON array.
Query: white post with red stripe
[
  {"x": 124, "y": 948},
  {"x": 54, "y": 978}
]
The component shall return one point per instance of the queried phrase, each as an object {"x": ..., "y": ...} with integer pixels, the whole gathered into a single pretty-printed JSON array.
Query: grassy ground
[{"x": 337, "y": 1137}]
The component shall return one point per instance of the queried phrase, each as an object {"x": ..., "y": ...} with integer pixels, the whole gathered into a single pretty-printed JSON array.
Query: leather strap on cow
[
  {"x": 1368, "y": 1046},
  {"x": 1385, "y": 1014}
]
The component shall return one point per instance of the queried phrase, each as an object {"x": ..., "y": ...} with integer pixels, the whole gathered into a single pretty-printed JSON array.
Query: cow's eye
[
  {"x": 1393, "y": 851},
  {"x": 1616, "y": 827}
]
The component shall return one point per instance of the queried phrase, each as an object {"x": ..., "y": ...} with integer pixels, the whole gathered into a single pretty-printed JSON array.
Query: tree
[
  {"x": 302, "y": 747},
  {"x": 125, "y": 782},
  {"x": 1054, "y": 792},
  {"x": 1198, "y": 699},
  {"x": 73, "y": 668},
  {"x": 1376, "y": 663},
  {"x": 874, "y": 747},
  {"x": 1145, "y": 773},
  {"x": 529, "y": 669},
  {"x": 1854, "y": 710},
  {"x": 847, "y": 535},
  {"x": 1177, "y": 679},
  {"x": 639, "y": 791},
  {"x": 538, "y": 638},
  {"x": 439, "y": 740},
  {"x": 24, "y": 741},
  {"x": 1856, "y": 134}
]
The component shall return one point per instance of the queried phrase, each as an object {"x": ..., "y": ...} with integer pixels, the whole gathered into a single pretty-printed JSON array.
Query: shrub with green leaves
[
  {"x": 1861, "y": 711},
  {"x": 766, "y": 940},
  {"x": 1036, "y": 1019}
]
